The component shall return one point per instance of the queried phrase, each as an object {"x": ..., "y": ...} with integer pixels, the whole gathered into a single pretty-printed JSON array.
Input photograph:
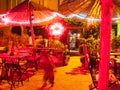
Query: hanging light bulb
[{"x": 32, "y": 16}]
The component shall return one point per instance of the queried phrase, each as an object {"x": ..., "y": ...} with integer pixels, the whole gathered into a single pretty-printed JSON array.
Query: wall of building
[
  {"x": 3, "y": 7},
  {"x": 8, "y": 4},
  {"x": 51, "y": 4}
]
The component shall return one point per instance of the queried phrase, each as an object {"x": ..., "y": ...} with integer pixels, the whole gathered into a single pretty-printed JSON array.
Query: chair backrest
[{"x": 112, "y": 62}]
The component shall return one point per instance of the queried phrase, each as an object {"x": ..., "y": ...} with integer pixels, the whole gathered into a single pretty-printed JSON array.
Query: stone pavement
[{"x": 70, "y": 77}]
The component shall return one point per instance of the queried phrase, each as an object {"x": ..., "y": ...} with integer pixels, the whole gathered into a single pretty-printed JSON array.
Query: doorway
[{"x": 74, "y": 35}]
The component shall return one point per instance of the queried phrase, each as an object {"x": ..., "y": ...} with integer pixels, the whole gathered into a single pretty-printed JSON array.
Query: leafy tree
[
  {"x": 115, "y": 44},
  {"x": 93, "y": 30}
]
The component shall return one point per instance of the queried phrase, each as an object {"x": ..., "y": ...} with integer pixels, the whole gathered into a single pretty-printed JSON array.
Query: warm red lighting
[
  {"x": 37, "y": 17},
  {"x": 5, "y": 19},
  {"x": 78, "y": 35},
  {"x": 56, "y": 29}
]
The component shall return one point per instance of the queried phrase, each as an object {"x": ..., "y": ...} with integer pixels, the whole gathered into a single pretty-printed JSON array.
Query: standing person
[
  {"x": 48, "y": 69},
  {"x": 66, "y": 55}
]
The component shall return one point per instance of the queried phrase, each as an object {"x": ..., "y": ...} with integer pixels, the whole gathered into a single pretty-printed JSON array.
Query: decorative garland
[{"x": 73, "y": 22}]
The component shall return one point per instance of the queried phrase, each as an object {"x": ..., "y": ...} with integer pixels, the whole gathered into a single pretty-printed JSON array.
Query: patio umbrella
[
  {"x": 87, "y": 9},
  {"x": 29, "y": 13}
]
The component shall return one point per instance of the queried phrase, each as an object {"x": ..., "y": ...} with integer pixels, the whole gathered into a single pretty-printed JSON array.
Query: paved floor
[{"x": 70, "y": 77}]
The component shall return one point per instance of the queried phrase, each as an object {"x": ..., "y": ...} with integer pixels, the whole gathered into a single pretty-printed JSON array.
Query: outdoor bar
[{"x": 60, "y": 45}]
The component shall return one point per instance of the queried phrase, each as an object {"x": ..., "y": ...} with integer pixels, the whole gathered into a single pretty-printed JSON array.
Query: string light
[
  {"x": 34, "y": 21},
  {"x": 6, "y": 20}
]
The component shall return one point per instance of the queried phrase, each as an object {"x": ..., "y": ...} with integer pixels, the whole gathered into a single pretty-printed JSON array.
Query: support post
[{"x": 105, "y": 38}]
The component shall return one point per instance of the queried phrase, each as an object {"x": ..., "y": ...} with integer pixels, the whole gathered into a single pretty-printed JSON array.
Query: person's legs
[
  {"x": 51, "y": 79},
  {"x": 45, "y": 78}
]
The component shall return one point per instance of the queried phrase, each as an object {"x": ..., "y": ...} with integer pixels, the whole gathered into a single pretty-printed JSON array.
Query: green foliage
[
  {"x": 73, "y": 22},
  {"x": 115, "y": 44},
  {"x": 93, "y": 30},
  {"x": 56, "y": 44},
  {"x": 81, "y": 41},
  {"x": 92, "y": 44}
]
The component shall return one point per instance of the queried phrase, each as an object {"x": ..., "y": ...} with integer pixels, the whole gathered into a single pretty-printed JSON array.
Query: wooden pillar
[{"x": 105, "y": 36}]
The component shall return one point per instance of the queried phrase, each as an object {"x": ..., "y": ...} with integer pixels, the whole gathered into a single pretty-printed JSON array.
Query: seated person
[
  {"x": 112, "y": 78},
  {"x": 94, "y": 56}
]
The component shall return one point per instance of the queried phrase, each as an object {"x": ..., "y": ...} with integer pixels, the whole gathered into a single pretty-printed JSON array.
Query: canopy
[
  {"x": 87, "y": 8},
  {"x": 29, "y": 13},
  {"x": 29, "y": 10}
]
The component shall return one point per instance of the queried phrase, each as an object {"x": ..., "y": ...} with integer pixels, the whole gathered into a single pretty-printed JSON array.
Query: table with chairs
[
  {"x": 12, "y": 68},
  {"x": 114, "y": 66},
  {"x": 16, "y": 67}
]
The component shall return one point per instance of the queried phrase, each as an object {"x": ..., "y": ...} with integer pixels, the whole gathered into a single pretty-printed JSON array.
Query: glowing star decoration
[{"x": 56, "y": 29}]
